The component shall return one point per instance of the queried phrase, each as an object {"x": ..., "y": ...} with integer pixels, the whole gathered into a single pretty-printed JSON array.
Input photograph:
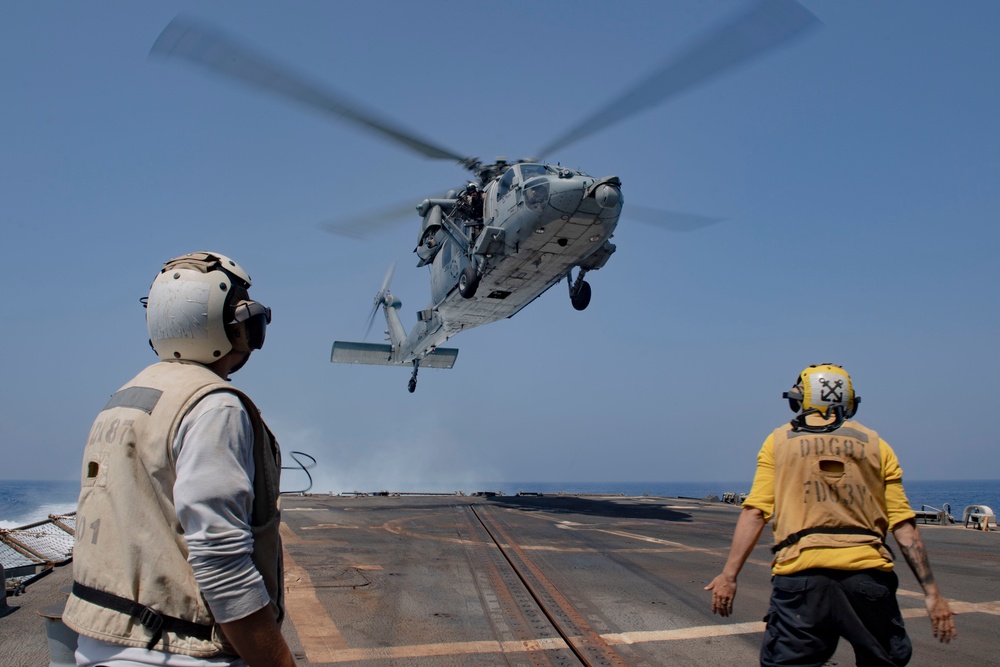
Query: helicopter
[{"x": 515, "y": 229}]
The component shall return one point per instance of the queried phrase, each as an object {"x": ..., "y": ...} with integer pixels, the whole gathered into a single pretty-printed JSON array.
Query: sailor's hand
[
  {"x": 723, "y": 593},
  {"x": 942, "y": 619}
]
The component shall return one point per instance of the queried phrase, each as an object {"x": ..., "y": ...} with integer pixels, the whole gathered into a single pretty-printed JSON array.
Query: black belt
[
  {"x": 149, "y": 618},
  {"x": 825, "y": 530}
]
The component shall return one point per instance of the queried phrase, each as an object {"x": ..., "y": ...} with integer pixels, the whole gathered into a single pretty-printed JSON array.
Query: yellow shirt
[{"x": 861, "y": 557}]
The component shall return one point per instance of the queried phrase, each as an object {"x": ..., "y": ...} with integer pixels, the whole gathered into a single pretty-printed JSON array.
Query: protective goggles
[{"x": 256, "y": 316}]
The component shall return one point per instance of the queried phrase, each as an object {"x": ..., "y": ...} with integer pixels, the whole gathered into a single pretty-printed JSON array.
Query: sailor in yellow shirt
[{"x": 832, "y": 489}]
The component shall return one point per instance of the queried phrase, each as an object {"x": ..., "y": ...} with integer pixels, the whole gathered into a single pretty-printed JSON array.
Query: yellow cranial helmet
[{"x": 822, "y": 389}]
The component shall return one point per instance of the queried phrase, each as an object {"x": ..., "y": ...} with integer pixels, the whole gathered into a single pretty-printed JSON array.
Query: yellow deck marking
[
  {"x": 992, "y": 608},
  {"x": 288, "y": 535},
  {"x": 666, "y": 546},
  {"x": 320, "y": 638},
  {"x": 613, "y": 638},
  {"x": 397, "y": 527},
  {"x": 957, "y": 606},
  {"x": 445, "y": 649},
  {"x": 654, "y": 540},
  {"x": 684, "y": 633},
  {"x": 678, "y": 545}
]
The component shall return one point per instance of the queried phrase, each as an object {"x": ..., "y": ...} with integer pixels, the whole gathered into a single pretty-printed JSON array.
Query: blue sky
[{"x": 857, "y": 170}]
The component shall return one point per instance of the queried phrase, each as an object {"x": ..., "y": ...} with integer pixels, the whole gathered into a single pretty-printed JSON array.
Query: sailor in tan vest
[
  {"x": 832, "y": 490},
  {"x": 177, "y": 560}
]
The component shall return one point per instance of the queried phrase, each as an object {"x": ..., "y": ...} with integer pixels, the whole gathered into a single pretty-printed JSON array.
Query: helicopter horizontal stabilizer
[{"x": 380, "y": 354}]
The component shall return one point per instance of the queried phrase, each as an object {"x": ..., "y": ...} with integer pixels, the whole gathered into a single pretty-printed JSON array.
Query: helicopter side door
[
  {"x": 506, "y": 197},
  {"x": 490, "y": 202},
  {"x": 445, "y": 271}
]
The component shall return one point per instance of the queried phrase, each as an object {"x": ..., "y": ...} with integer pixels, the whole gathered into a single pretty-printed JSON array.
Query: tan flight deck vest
[
  {"x": 129, "y": 542},
  {"x": 828, "y": 490}
]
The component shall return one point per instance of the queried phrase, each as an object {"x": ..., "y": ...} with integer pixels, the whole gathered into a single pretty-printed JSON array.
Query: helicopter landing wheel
[
  {"x": 581, "y": 297},
  {"x": 468, "y": 282},
  {"x": 412, "y": 385}
]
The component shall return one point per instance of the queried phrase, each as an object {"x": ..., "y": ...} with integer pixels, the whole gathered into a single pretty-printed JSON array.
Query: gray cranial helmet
[{"x": 198, "y": 309}]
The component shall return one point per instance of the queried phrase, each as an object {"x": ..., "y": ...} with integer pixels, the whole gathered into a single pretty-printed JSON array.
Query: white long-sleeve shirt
[{"x": 213, "y": 497}]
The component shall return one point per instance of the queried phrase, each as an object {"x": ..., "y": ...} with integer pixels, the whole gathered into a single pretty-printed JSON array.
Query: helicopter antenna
[{"x": 765, "y": 26}]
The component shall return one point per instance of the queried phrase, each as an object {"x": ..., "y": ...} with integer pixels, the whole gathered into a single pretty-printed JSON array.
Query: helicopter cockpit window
[
  {"x": 532, "y": 170},
  {"x": 504, "y": 188}
]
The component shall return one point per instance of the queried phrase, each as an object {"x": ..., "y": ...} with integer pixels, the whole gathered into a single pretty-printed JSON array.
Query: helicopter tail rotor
[
  {"x": 383, "y": 292},
  {"x": 395, "y": 352}
]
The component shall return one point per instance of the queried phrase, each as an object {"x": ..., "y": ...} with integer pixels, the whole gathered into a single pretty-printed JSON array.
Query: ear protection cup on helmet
[
  {"x": 853, "y": 409},
  {"x": 794, "y": 396}
]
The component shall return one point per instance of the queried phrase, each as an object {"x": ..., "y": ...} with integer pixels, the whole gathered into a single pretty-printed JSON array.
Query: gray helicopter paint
[
  {"x": 381, "y": 354},
  {"x": 544, "y": 247},
  {"x": 537, "y": 250}
]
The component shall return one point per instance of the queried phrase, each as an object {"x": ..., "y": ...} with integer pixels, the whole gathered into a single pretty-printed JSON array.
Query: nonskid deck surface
[
  {"x": 413, "y": 580},
  {"x": 565, "y": 580}
]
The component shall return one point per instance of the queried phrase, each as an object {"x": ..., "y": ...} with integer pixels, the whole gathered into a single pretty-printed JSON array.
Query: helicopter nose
[
  {"x": 536, "y": 194},
  {"x": 607, "y": 196}
]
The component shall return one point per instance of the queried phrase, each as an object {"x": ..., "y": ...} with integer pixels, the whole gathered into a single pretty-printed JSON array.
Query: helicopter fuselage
[{"x": 538, "y": 223}]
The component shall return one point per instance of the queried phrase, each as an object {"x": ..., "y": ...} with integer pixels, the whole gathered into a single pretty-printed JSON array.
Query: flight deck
[
  {"x": 565, "y": 580},
  {"x": 440, "y": 580}
]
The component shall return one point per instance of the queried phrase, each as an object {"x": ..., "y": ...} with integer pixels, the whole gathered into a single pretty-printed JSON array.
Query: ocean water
[
  {"x": 669, "y": 489},
  {"x": 957, "y": 495},
  {"x": 921, "y": 493},
  {"x": 23, "y": 502}
]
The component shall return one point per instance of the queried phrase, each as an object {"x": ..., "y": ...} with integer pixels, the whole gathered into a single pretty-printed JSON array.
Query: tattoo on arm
[{"x": 916, "y": 557}]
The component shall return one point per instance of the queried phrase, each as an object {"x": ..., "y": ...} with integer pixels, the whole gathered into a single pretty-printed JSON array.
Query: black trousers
[{"x": 811, "y": 610}]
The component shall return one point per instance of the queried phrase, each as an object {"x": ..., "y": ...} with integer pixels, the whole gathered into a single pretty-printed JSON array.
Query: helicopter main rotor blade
[
  {"x": 214, "y": 51},
  {"x": 770, "y": 23},
  {"x": 362, "y": 226},
  {"x": 674, "y": 221}
]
